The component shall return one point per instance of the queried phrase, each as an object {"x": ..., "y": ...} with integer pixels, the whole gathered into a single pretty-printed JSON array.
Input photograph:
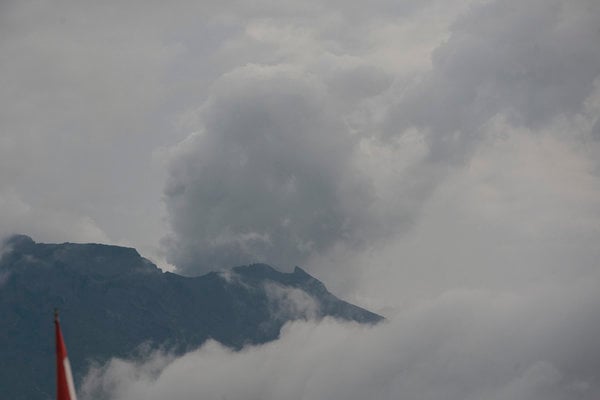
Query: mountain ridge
[{"x": 112, "y": 300}]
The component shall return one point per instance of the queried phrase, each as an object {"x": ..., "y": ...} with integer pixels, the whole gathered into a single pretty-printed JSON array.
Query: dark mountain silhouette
[{"x": 112, "y": 301}]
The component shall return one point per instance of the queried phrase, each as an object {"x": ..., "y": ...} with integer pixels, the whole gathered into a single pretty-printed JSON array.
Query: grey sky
[{"x": 432, "y": 160}]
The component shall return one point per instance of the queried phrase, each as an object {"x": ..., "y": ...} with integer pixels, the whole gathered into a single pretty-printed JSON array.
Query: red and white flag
[{"x": 65, "y": 389}]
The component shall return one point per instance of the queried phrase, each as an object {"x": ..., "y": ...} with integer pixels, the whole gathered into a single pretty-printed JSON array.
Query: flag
[{"x": 65, "y": 389}]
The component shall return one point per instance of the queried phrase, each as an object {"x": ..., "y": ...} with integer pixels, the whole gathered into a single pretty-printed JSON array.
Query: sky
[{"x": 435, "y": 161}]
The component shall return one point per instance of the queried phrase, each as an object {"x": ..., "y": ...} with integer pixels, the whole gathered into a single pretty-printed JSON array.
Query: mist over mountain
[{"x": 114, "y": 302}]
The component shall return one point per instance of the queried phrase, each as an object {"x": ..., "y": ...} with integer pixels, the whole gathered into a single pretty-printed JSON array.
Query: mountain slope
[{"x": 113, "y": 300}]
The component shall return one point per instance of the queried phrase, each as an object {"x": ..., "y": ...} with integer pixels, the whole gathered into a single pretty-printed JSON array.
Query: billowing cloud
[
  {"x": 268, "y": 178},
  {"x": 286, "y": 163}
]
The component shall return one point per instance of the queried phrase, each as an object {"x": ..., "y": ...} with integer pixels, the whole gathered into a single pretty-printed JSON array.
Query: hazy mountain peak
[{"x": 112, "y": 300}]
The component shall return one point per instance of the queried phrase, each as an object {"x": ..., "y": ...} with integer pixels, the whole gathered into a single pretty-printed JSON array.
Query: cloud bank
[{"x": 462, "y": 345}]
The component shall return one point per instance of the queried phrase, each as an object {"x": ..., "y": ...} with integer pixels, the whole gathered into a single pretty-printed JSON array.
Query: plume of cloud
[{"x": 268, "y": 178}]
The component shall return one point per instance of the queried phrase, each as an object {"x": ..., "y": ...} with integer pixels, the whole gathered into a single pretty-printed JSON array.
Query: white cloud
[
  {"x": 290, "y": 303},
  {"x": 461, "y": 345}
]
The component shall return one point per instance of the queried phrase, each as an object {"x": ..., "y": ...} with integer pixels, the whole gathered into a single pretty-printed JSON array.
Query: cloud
[
  {"x": 462, "y": 345},
  {"x": 280, "y": 168},
  {"x": 268, "y": 178},
  {"x": 290, "y": 303},
  {"x": 523, "y": 210},
  {"x": 531, "y": 61}
]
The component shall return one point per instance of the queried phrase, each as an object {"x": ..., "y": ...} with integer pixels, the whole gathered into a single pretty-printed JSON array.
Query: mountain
[{"x": 113, "y": 301}]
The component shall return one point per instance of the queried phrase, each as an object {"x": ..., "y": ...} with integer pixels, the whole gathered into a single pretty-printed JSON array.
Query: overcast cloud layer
[{"x": 435, "y": 161}]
